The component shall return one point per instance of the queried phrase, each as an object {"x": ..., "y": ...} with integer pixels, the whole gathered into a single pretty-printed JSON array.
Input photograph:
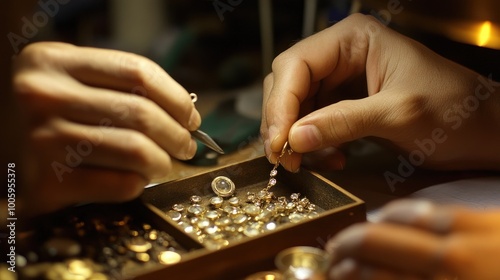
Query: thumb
[{"x": 342, "y": 122}]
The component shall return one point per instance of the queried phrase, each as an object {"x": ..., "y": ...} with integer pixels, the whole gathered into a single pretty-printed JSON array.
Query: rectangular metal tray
[{"x": 240, "y": 258}]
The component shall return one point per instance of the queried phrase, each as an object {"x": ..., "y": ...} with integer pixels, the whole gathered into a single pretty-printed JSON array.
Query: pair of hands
[
  {"x": 88, "y": 141},
  {"x": 358, "y": 79}
]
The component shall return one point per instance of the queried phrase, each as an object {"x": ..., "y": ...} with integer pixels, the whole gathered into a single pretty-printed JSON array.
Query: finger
[
  {"x": 405, "y": 249},
  {"x": 339, "y": 52},
  {"x": 84, "y": 184},
  {"x": 68, "y": 146},
  {"x": 120, "y": 71},
  {"x": 350, "y": 269},
  {"x": 438, "y": 218},
  {"x": 103, "y": 107},
  {"x": 345, "y": 121}
]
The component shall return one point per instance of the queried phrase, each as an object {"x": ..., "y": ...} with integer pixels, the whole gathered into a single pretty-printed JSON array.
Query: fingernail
[
  {"x": 273, "y": 135},
  {"x": 307, "y": 137},
  {"x": 267, "y": 150},
  {"x": 191, "y": 150},
  {"x": 406, "y": 211},
  {"x": 343, "y": 269},
  {"x": 194, "y": 120}
]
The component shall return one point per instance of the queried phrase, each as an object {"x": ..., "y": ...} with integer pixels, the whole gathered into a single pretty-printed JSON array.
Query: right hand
[{"x": 358, "y": 78}]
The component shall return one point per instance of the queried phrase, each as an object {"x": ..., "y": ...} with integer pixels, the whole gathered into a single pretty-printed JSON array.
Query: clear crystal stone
[
  {"x": 251, "y": 210},
  {"x": 178, "y": 207}
]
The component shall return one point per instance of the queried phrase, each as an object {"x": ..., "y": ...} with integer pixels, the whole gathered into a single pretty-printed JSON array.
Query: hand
[
  {"x": 419, "y": 240},
  {"x": 101, "y": 123},
  {"x": 357, "y": 79}
]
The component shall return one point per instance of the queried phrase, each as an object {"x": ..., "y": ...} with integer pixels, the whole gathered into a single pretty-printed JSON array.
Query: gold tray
[
  {"x": 239, "y": 259},
  {"x": 252, "y": 254}
]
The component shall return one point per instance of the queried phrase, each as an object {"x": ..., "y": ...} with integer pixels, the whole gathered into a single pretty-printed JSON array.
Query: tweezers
[{"x": 206, "y": 140}]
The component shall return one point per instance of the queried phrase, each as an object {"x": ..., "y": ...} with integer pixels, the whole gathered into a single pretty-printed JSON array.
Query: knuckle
[
  {"x": 25, "y": 83},
  {"x": 138, "y": 68},
  {"x": 268, "y": 82},
  {"x": 282, "y": 59},
  {"x": 142, "y": 114},
  {"x": 137, "y": 150},
  {"x": 40, "y": 53}
]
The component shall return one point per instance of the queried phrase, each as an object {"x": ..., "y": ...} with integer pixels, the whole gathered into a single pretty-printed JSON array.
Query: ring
[
  {"x": 194, "y": 97},
  {"x": 223, "y": 186}
]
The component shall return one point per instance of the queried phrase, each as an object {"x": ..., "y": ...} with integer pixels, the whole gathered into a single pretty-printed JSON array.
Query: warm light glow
[{"x": 484, "y": 34}]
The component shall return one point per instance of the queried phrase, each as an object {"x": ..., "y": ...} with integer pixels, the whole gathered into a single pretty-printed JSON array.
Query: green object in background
[{"x": 229, "y": 129}]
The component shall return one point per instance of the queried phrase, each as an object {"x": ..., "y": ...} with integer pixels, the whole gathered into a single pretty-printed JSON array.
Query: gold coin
[{"x": 169, "y": 257}]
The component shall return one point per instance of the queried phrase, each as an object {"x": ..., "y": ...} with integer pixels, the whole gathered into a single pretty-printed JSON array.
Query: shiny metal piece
[
  {"x": 223, "y": 186},
  {"x": 303, "y": 263},
  {"x": 168, "y": 257},
  {"x": 206, "y": 140},
  {"x": 138, "y": 245}
]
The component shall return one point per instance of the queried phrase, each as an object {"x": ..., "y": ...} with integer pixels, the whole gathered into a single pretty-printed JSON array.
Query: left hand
[{"x": 420, "y": 240}]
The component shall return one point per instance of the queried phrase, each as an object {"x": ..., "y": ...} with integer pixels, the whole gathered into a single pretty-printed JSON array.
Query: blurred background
[
  {"x": 218, "y": 44},
  {"x": 221, "y": 49}
]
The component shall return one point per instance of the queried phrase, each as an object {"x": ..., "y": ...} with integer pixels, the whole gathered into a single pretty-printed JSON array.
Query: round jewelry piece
[{"x": 223, "y": 186}]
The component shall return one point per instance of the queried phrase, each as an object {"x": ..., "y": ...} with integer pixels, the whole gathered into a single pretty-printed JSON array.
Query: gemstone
[
  {"x": 79, "y": 268},
  {"x": 196, "y": 209},
  {"x": 168, "y": 257},
  {"x": 312, "y": 215},
  {"x": 231, "y": 210},
  {"x": 273, "y": 173},
  {"x": 216, "y": 201},
  {"x": 240, "y": 218},
  {"x": 138, "y": 244},
  {"x": 195, "y": 199},
  {"x": 223, "y": 186},
  {"x": 189, "y": 229},
  {"x": 174, "y": 215},
  {"x": 250, "y": 196},
  {"x": 295, "y": 196},
  {"x": 265, "y": 215},
  {"x": 251, "y": 230},
  {"x": 296, "y": 217},
  {"x": 212, "y": 230},
  {"x": 153, "y": 235},
  {"x": 224, "y": 221},
  {"x": 212, "y": 215},
  {"x": 251, "y": 210},
  {"x": 270, "y": 226},
  {"x": 203, "y": 223},
  {"x": 234, "y": 201},
  {"x": 272, "y": 182},
  {"x": 142, "y": 257},
  {"x": 178, "y": 207},
  {"x": 262, "y": 194}
]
